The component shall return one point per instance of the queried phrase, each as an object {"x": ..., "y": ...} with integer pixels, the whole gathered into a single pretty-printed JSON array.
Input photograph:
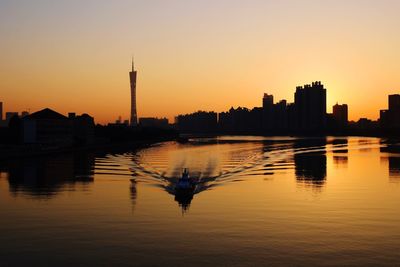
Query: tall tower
[{"x": 132, "y": 77}]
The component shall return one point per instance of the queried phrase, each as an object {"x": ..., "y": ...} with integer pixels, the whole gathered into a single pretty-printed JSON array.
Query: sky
[{"x": 74, "y": 56}]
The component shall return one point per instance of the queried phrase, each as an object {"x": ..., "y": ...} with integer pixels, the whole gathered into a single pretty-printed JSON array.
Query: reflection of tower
[
  {"x": 132, "y": 77},
  {"x": 133, "y": 193}
]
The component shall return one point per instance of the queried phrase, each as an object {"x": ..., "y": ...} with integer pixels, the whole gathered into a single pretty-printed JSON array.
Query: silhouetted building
[
  {"x": 310, "y": 105},
  {"x": 24, "y": 114},
  {"x": 241, "y": 120},
  {"x": 365, "y": 124},
  {"x": 132, "y": 77},
  {"x": 47, "y": 127},
  {"x": 307, "y": 115},
  {"x": 268, "y": 112},
  {"x": 394, "y": 103},
  {"x": 340, "y": 116},
  {"x": 198, "y": 122},
  {"x": 281, "y": 117},
  {"x": 83, "y": 129},
  {"x": 9, "y": 115},
  {"x": 268, "y": 100},
  {"x": 390, "y": 119},
  {"x": 154, "y": 122}
]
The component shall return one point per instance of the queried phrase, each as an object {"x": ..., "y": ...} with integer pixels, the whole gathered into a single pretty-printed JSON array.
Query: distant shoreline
[{"x": 26, "y": 151}]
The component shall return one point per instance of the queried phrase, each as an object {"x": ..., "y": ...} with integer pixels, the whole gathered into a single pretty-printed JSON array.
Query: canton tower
[{"x": 132, "y": 77}]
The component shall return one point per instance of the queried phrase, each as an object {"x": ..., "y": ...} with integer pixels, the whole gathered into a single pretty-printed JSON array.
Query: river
[{"x": 259, "y": 201}]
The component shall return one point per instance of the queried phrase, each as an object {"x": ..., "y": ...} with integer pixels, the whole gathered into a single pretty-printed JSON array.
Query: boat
[{"x": 185, "y": 185}]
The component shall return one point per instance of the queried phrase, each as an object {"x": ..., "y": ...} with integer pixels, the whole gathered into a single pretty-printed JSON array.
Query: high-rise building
[
  {"x": 1, "y": 111},
  {"x": 340, "y": 115},
  {"x": 394, "y": 103},
  {"x": 390, "y": 119},
  {"x": 132, "y": 77},
  {"x": 268, "y": 113},
  {"x": 268, "y": 100},
  {"x": 310, "y": 103}
]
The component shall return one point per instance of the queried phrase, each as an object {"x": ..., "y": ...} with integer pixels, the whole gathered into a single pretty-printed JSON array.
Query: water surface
[{"x": 259, "y": 201}]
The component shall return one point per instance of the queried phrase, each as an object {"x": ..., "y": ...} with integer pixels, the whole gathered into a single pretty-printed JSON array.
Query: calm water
[{"x": 259, "y": 201}]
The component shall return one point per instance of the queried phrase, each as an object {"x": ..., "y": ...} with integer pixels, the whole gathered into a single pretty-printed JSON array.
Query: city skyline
[{"x": 198, "y": 55}]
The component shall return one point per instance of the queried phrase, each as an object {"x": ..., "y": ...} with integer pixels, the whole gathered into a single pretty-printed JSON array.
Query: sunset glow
[{"x": 195, "y": 55}]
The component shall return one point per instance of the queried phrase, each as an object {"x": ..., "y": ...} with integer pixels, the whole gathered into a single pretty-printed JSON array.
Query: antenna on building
[{"x": 133, "y": 64}]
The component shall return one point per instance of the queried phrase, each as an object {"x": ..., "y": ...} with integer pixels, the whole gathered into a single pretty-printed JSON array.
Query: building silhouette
[
  {"x": 390, "y": 118},
  {"x": 340, "y": 116},
  {"x": 47, "y": 127},
  {"x": 83, "y": 128},
  {"x": 9, "y": 115},
  {"x": 198, "y": 122},
  {"x": 241, "y": 120},
  {"x": 154, "y": 123},
  {"x": 1, "y": 111},
  {"x": 132, "y": 78},
  {"x": 268, "y": 112},
  {"x": 310, "y": 106},
  {"x": 307, "y": 115}
]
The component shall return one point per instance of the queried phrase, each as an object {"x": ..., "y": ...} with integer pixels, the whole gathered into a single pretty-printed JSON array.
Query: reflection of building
[
  {"x": 132, "y": 77},
  {"x": 46, "y": 176},
  {"x": 340, "y": 150},
  {"x": 340, "y": 145},
  {"x": 310, "y": 161},
  {"x": 340, "y": 161},
  {"x": 394, "y": 167},
  {"x": 393, "y": 158}
]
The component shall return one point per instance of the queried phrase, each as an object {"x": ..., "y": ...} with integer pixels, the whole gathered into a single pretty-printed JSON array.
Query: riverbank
[{"x": 20, "y": 151}]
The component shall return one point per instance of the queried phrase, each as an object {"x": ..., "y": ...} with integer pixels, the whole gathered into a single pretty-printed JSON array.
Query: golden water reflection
[{"x": 285, "y": 201}]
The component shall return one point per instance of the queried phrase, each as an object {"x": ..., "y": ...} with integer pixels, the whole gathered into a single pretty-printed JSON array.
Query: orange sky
[{"x": 192, "y": 55}]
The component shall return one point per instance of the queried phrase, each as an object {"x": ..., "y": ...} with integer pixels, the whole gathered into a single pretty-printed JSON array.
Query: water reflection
[
  {"x": 133, "y": 193},
  {"x": 392, "y": 150},
  {"x": 340, "y": 150},
  {"x": 310, "y": 166},
  {"x": 45, "y": 177},
  {"x": 212, "y": 162}
]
